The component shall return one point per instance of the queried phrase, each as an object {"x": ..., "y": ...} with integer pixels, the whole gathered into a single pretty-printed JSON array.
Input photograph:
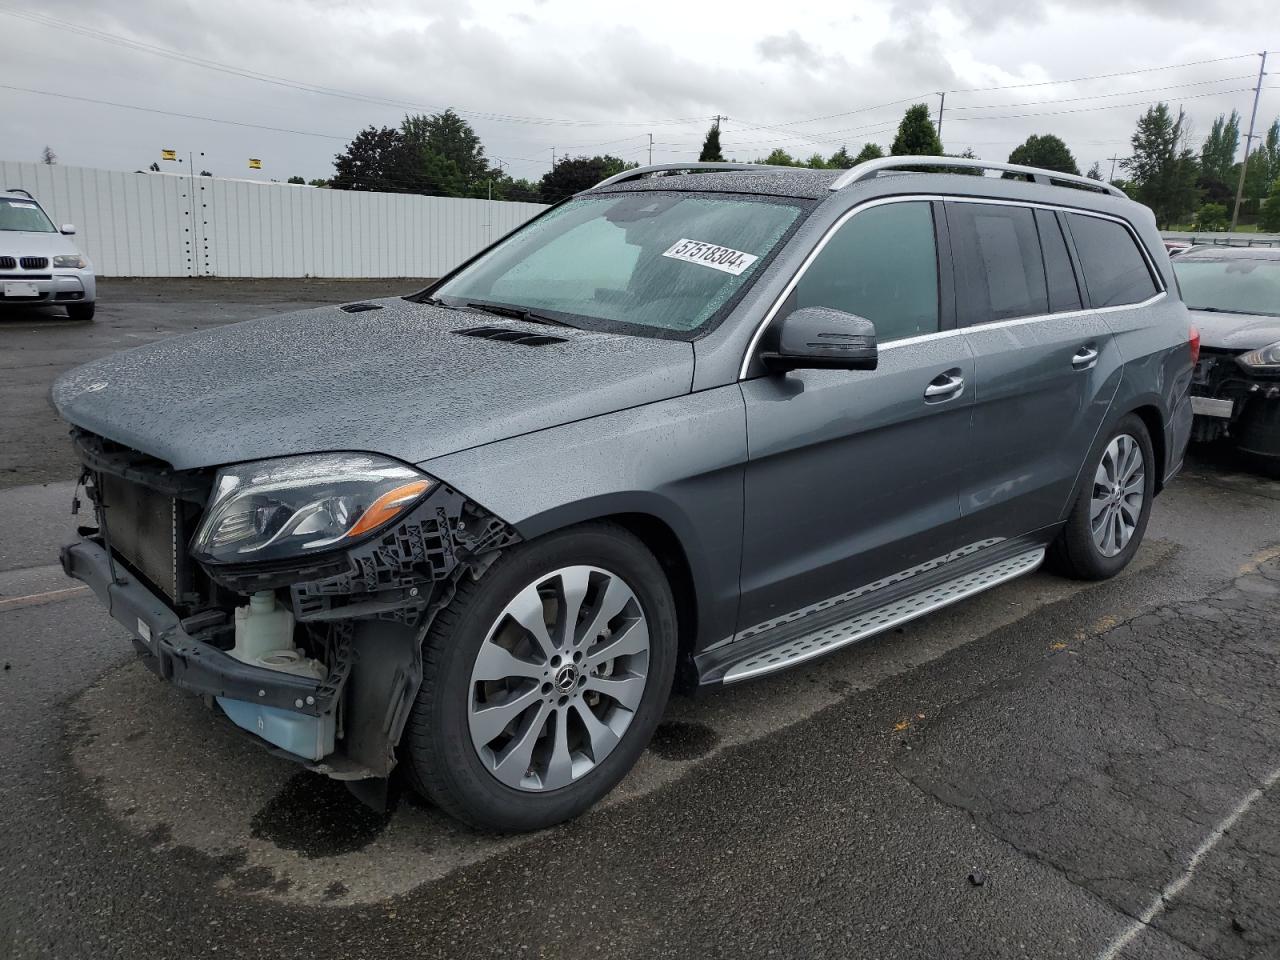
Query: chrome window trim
[{"x": 1162, "y": 288}]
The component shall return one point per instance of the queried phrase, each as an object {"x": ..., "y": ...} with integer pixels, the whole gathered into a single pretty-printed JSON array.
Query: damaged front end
[
  {"x": 300, "y": 616},
  {"x": 1237, "y": 395}
]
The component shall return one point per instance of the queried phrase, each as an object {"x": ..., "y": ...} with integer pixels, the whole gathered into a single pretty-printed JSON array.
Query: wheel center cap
[{"x": 566, "y": 678}]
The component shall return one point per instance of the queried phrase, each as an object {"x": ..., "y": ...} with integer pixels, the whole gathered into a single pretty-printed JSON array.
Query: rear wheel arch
[{"x": 1154, "y": 422}]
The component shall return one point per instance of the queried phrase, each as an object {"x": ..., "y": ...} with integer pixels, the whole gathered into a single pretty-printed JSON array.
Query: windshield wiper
[{"x": 518, "y": 313}]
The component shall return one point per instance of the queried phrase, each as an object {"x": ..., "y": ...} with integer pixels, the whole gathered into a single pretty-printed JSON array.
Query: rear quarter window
[{"x": 1115, "y": 271}]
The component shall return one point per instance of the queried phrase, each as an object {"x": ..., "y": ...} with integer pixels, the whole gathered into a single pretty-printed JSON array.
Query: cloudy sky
[{"x": 579, "y": 77}]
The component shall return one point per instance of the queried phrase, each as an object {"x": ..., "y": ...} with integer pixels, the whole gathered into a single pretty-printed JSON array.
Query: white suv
[{"x": 38, "y": 263}]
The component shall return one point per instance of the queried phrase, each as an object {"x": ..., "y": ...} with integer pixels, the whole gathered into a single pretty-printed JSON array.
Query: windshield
[
  {"x": 657, "y": 263},
  {"x": 25, "y": 215},
  {"x": 1236, "y": 285}
]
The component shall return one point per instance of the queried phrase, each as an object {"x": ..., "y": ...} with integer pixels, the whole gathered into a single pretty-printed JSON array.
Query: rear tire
[
  {"x": 455, "y": 757},
  {"x": 80, "y": 311},
  {"x": 1107, "y": 523}
]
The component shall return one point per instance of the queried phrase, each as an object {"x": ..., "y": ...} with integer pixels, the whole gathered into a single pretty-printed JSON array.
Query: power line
[
  {"x": 1104, "y": 96},
  {"x": 1103, "y": 76},
  {"x": 1110, "y": 106}
]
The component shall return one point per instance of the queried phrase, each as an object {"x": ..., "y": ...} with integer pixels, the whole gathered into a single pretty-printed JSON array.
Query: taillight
[{"x": 1194, "y": 341}]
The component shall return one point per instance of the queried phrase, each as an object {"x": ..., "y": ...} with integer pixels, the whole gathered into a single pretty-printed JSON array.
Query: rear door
[
  {"x": 853, "y": 475},
  {"x": 1047, "y": 367}
]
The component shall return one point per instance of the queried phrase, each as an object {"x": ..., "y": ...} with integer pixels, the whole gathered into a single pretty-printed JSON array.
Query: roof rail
[
  {"x": 21, "y": 191},
  {"x": 872, "y": 168},
  {"x": 637, "y": 172}
]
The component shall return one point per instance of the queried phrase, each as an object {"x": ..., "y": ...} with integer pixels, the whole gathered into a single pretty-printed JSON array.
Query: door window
[
  {"x": 1064, "y": 293},
  {"x": 882, "y": 265},
  {"x": 998, "y": 261},
  {"x": 1114, "y": 269}
]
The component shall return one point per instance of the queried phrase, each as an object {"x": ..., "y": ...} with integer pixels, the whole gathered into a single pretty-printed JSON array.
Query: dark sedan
[{"x": 1234, "y": 294}]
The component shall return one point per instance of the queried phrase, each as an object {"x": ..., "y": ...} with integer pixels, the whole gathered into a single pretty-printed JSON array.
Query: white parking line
[{"x": 1179, "y": 884}]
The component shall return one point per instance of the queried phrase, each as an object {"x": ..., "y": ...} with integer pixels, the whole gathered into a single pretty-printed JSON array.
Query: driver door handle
[
  {"x": 1085, "y": 357},
  {"x": 944, "y": 386}
]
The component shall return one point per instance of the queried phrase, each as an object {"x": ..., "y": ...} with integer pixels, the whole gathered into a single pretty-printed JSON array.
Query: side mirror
[
  {"x": 820, "y": 338},
  {"x": 69, "y": 229}
]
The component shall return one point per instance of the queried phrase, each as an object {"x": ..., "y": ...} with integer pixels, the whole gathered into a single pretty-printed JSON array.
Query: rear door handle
[
  {"x": 1085, "y": 357},
  {"x": 944, "y": 386}
]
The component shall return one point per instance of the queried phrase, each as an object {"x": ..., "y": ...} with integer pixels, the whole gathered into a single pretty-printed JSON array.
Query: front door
[{"x": 853, "y": 475}]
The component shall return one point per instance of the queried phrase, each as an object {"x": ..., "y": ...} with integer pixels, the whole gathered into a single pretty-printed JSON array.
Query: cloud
[{"x": 788, "y": 47}]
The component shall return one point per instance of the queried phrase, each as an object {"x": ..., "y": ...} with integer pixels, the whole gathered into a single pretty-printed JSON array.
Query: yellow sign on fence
[
  {"x": 168, "y": 154},
  {"x": 255, "y": 164}
]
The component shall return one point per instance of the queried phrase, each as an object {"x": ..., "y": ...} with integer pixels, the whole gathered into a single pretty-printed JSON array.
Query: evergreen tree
[
  {"x": 1269, "y": 215},
  {"x": 816, "y": 162},
  {"x": 1095, "y": 171},
  {"x": 1045, "y": 151},
  {"x": 711, "y": 146},
  {"x": 840, "y": 160},
  {"x": 869, "y": 151},
  {"x": 1162, "y": 169},
  {"x": 47, "y": 156},
  {"x": 1218, "y": 154},
  {"x": 917, "y": 135}
]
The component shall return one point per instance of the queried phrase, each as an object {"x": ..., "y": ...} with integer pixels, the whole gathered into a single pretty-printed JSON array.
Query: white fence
[{"x": 158, "y": 225}]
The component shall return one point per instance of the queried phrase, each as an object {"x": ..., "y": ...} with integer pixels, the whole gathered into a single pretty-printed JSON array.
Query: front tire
[
  {"x": 80, "y": 311},
  {"x": 543, "y": 680},
  {"x": 1109, "y": 517}
]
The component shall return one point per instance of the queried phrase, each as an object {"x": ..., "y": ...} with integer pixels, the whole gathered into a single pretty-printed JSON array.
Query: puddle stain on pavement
[{"x": 317, "y": 817}]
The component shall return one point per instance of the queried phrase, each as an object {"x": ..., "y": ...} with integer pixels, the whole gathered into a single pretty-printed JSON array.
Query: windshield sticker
[
  {"x": 710, "y": 255},
  {"x": 22, "y": 205}
]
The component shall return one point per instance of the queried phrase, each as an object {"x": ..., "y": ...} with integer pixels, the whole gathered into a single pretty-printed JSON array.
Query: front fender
[{"x": 680, "y": 461}]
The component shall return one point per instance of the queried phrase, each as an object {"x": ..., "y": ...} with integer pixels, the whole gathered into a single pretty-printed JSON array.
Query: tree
[
  {"x": 779, "y": 158},
  {"x": 377, "y": 159},
  {"x": 47, "y": 156},
  {"x": 869, "y": 151},
  {"x": 840, "y": 160},
  {"x": 205, "y": 173},
  {"x": 573, "y": 174},
  {"x": 520, "y": 191},
  {"x": 1095, "y": 171},
  {"x": 1162, "y": 169},
  {"x": 815, "y": 162},
  {"x": 318, "y": 183},
  {"x": 447, "y": 154},
  {"x": 296, "y": 179},
  {"x": 1045, "y": 151},
  {"x": 1269, "y": 216},
  {"x": 711, "y": 146},
  {"x": 1211, "y": 217},
  {"x": 1264, "y": 168},
  {"x": 917, "y": 135},
  {"x": 1218, "y": 154}
]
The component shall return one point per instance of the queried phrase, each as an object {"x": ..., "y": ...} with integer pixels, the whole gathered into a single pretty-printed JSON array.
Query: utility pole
[
  {"x": 942, "y": 102},
  {"x": 553, "y": 158},
  {"x": 1248, "y": 140},
  {"x": 1113, "y": 168},
  {"x": 651, "y": 149}
]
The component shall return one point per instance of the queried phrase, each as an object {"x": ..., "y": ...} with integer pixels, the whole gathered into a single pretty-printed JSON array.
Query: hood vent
[
  {"x": 522, "y": 337},
  {"x": 360, "y": 307}
]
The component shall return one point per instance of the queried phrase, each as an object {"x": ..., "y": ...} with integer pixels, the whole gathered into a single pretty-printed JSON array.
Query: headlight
[
  {"x": 1265, "y": 358},
  {"x": 71, "y": 260},
  {"x": 274, "y": 509}
]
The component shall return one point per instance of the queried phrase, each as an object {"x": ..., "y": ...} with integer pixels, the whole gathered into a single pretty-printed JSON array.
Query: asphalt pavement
[{"x": 1050, "y": 769}]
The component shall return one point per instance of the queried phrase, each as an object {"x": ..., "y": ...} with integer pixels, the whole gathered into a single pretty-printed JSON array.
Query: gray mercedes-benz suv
[{"x": 694, "y": 425}]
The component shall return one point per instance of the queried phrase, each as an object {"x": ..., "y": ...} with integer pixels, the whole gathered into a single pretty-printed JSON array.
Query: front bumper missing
[{"x": 185, "y": 661}]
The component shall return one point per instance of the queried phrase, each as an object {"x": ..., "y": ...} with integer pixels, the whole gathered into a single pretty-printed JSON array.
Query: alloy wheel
[
  {"x": 558, "y": 678},
  {"x": 1119, "y": 488}
]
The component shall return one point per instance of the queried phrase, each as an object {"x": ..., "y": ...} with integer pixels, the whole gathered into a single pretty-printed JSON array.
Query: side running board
[{"x": 874, "y": 621}]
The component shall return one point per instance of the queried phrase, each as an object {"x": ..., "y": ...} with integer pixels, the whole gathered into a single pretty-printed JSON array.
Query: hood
[
  {"x": 399, "y": 380},
  {"x": 1236, "y": 331},
  {"x": 24, "y": 243}
]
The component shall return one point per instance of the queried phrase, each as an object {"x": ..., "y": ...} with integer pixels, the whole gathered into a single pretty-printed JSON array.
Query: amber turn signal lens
[{"x": 388, "y": 505}]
